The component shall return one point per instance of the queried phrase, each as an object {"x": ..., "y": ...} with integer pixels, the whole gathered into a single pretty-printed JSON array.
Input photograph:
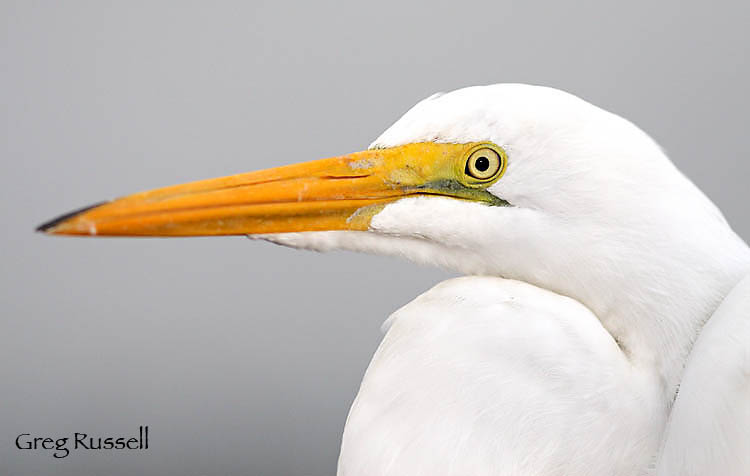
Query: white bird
[{"x": 594, "y": 266}]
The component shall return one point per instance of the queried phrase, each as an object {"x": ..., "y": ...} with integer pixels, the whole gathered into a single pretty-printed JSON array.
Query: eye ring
[{"x": 484, "y": 164}]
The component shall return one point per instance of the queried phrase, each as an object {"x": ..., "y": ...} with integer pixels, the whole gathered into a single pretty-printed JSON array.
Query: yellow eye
[{"x": 484, "y": 164}]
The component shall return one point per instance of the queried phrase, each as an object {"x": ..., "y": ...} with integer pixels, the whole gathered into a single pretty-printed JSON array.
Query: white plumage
[
  {"x": 483, "y": 375},
  {"x": 709, "y": 426},
  {"x": 571, "y": 365}
]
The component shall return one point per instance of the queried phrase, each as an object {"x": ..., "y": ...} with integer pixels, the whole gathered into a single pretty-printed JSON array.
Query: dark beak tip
[{"x": 47, "y": 226}]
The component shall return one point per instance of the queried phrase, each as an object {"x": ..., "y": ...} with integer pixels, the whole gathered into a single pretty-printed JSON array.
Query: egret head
[{"x": 509, "y": 179}]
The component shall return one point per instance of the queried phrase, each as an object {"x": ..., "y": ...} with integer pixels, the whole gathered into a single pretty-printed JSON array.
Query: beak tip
[{"x": 54, "y": 226}]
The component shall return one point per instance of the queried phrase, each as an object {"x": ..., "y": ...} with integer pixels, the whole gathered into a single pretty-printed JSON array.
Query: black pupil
[{"x": 482, "y": 164}]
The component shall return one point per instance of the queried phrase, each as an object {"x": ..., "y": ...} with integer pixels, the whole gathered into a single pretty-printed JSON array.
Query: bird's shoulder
[
  {"x": 509, "y": 309},
  {"x": 491, "y": 373},
  {"x": 709, "y": 426}
]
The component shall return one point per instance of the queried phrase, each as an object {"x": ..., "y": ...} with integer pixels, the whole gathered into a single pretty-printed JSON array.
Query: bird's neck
[{"x": 655, "y": 302}]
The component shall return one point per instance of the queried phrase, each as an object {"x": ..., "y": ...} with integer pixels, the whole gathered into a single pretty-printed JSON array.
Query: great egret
[{"x": 595, "y": 266}]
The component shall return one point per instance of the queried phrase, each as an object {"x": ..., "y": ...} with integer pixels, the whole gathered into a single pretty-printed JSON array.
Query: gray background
[{"x": 244, "y": 357}]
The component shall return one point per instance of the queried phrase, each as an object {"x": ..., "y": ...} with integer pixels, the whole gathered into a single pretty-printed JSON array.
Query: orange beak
[{"x": 339, "y": 193}]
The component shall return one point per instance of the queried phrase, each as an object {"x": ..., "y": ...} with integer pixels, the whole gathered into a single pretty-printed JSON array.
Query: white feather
[
  {"x": 487, "y": 376},
  {"x": 709, "y": 427}
]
